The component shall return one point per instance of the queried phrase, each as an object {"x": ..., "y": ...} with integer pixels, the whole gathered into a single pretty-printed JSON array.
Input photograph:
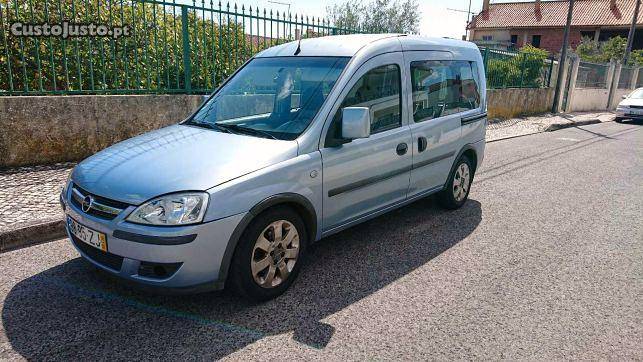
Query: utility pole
[
  {"x": 630, "y": 36},
  {"x": 466, "y": 30},
  {"x": 563, "y": 56}
]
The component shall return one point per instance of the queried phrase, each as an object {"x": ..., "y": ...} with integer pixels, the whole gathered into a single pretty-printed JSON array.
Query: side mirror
[
  {"x": 624, "y": 96},
  {"x": 356, "y": 122}
]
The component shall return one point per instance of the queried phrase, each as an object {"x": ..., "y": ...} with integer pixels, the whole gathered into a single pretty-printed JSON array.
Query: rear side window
[
  {"x": 379, "y": 90},
  {"x": 441, "y": 88}
]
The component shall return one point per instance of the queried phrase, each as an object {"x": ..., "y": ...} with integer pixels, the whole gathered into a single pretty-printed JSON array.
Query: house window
[
  {"x": 587, "y": 34},
  {"x": 514, "y": 39},
  {"x": 487, "y": 37},
  {"x": 535, "y": 41}
]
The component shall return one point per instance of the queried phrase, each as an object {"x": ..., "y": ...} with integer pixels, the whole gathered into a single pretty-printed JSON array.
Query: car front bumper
[
  {"x": 137, "y": 252},
  {"x": 627, "y": 114}
]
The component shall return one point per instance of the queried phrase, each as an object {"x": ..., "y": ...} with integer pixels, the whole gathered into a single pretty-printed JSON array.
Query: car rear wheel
[
  {"x": 269, "y": 253},
  {"x": 458, "y": 185}
]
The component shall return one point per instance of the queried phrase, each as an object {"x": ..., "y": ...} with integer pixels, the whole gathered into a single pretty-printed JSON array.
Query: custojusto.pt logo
[{"x": 68, "y": 30}]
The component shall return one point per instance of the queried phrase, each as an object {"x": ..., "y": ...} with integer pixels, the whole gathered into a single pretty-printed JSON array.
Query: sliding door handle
[{"x": 422, "y": 143}]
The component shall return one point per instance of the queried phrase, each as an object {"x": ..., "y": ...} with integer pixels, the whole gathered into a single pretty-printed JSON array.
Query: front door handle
[
  {"x": 422, "y": 143},
  {"x": 401, "y": 148}
]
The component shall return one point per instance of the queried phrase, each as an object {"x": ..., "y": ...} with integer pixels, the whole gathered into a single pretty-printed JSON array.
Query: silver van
[{"x": 304, "y": 140}]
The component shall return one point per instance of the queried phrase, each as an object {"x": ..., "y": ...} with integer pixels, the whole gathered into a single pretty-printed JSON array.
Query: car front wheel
[{"x": 269, "y": 253}]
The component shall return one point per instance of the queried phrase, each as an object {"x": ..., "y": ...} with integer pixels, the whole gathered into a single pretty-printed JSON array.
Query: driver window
[{"x": 379, "y": 90}]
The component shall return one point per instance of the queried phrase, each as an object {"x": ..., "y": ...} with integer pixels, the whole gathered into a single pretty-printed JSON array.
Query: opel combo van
[{"x": 304, "y": 140}]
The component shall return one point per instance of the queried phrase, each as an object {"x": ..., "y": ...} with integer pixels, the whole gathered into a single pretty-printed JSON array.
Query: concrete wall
[
  {"x": 618, "y": 97},
  {"x": 48, "y": 129},
  {"x": 588, "y": 99},
  {"x": 512, "y": 102}
]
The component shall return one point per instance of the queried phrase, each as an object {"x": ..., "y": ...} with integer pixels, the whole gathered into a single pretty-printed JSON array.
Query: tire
[
  {"x": 255, "y": 273},
  {"x": 456, "y": 192},
  {"x": 618, "y": 120}
]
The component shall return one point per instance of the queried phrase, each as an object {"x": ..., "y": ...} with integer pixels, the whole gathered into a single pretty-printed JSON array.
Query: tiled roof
[{"x": 554, "y": 14}]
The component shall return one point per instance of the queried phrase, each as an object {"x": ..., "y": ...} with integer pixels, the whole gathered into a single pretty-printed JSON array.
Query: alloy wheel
[
  {"x": 274, "y": 254},
  {"x": 461, "y": 182}
]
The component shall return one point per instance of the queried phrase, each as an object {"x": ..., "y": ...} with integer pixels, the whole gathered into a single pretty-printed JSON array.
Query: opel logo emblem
[{"x": 87, "y": 203}]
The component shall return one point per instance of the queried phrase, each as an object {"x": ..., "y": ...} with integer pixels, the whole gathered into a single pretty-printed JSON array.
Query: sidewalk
[
  {"x": 30, "y": 212},
  {"x": 516, "y": 127}
]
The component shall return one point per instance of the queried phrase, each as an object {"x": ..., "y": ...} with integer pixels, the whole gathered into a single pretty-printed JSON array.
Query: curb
[
  {"x": 553, "y": 127},
  {"x": 31, "y": 234},
  {"x": 557, "y": 126}
]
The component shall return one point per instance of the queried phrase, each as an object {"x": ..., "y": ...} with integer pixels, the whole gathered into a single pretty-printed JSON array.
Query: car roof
[{"x": 350, "y": 45}]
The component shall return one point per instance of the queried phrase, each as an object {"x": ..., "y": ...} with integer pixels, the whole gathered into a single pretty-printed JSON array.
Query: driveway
[{"x": 544, "y": 261}]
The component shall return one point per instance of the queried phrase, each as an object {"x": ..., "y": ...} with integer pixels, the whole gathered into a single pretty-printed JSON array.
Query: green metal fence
[
  {"x": 171, "y": 48},
  {"x": 508, "y": 69}
]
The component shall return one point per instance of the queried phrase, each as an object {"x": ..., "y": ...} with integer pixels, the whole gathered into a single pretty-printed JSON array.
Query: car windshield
[
  {"x": 272, "y": 97},
  {"x": 637, "y": 94}
]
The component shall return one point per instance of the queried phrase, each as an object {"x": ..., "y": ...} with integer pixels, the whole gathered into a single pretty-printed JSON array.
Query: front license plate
[{"x": 87, "y": 235}]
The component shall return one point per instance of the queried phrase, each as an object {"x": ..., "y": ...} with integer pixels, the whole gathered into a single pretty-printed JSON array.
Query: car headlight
[
  {"x": 174, "y": 209},
  {"x": 621, "y": 108}
]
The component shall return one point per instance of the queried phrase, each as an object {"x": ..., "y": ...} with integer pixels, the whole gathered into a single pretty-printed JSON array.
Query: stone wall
[
  {"x": 49, "y": 129},
  {"x": 513, "y": 102}
]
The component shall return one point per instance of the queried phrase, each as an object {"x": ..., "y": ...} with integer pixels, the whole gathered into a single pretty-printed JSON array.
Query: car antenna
[{"x": 298, "y": 46}]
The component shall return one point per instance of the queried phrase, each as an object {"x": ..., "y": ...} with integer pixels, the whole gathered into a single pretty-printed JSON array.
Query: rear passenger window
[
  {"x": 441, "y": 88},
  {"x": 379, "y": 90},
  {"x": 470, "y": 98}
]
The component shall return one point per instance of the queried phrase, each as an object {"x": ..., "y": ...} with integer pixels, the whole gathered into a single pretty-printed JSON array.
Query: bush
[
  {"x": 151, "y": 59},
  {"x": 523, "y": 69}
]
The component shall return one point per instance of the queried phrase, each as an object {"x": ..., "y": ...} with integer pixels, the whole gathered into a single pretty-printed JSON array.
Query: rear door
[
  {"x": 369, "y": 174},
  {"x": 434, "y": 119}
]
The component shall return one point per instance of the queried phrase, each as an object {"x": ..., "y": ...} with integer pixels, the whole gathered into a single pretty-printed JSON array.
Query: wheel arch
[
  {"x": 469, "y": 151},
  {"x": 299, "y": 203}
]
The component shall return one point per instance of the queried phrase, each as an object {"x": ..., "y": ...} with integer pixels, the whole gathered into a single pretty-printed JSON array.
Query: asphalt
[{"x": 543, "y": 262}]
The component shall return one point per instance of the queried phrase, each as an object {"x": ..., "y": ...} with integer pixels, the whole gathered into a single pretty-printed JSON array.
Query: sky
[{"x": 436, "y": 18}]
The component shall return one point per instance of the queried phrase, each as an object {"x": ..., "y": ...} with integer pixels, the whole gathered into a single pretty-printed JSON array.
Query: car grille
[
  {"x": 158, "y": 270},
  {"x": 100, "y": 207},
  {"x": 637, "y": 107},
  {"x": 109, "y": 260}
]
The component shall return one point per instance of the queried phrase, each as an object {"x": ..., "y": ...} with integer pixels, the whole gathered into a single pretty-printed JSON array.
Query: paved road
[{"x": 544, "y": 261}]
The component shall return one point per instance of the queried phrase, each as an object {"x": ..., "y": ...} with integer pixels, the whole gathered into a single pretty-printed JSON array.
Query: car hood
[
  {"x": 176, "y": 158},
  {"x": 631, "y": 102}
]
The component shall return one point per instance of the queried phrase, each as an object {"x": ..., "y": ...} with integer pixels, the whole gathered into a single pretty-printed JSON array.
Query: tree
[{"x": 376, "y": 16}]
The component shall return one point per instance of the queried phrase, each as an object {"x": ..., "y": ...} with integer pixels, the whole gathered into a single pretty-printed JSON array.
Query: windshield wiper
[
  {"x": 246, "y": 130},
  {"x": 209, "y": 126}
]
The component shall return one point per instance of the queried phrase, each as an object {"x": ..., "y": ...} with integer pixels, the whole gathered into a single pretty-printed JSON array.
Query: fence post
[
  {"x": 187, "y": 64},
  {"x": 635, "y": 77},
  {"x": 571, "y": 86},
  {"x": 485, "y": 57},
  {"x": 612, "y": 81},
  {"x": 522, "y": 68},
  {"x": 551, "y": 70}
]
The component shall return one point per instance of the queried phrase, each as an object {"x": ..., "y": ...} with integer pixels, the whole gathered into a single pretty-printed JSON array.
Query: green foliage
[
  {"x": 610, "y": 50},
  {"x": 523, "y": 69},
  {"x": 636, "y": 57},
  {"x": 376, "y": 16},
  {"x": 149, "y": 60}
]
